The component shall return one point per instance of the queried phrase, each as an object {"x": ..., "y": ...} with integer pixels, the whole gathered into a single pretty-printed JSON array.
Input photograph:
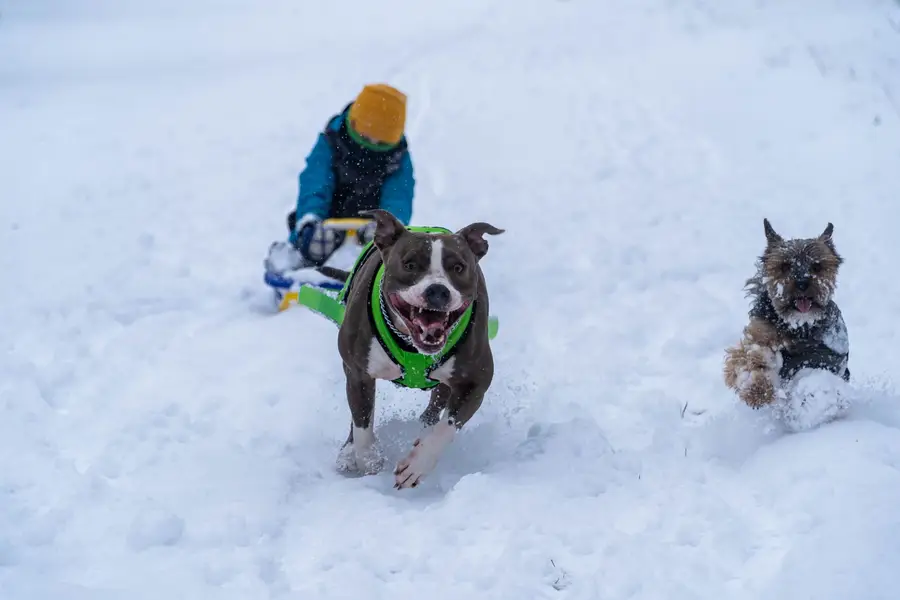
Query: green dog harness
[{"x": 414, "y": 366}]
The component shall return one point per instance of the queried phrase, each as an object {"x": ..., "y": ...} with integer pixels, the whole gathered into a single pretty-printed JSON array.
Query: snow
[
  {"x": 163, "y": 435},
  {"x": 796, "y": 319},
  {"x": 812, "y": 398}
]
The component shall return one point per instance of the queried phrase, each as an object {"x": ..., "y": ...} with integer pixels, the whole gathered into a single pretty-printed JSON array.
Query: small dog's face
[
  {"x": 429, "y": 280},
  {"x": 800, "y": 275}
]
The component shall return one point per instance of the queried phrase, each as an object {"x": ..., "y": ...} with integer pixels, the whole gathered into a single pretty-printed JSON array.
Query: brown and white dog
[
  {"x": 429, "y": 281},
  {"x": 794, "y": 322}
]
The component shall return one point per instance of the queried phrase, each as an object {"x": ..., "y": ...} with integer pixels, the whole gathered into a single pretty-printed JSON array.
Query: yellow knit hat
[{"x": 379, "y": 113}]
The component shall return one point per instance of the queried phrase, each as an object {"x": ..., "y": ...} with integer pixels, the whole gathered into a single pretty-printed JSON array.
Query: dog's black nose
[
  {"x": 802, "y": 284},
  {"x": 437, "y": 296}
]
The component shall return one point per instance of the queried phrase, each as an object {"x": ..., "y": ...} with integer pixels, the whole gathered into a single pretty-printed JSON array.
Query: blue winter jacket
[{"x": 317, "y": 182}]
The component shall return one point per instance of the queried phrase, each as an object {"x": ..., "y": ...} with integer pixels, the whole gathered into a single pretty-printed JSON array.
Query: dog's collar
[
  {"x": 382, "y": 307},
  {"x": 415, "y": 366}
]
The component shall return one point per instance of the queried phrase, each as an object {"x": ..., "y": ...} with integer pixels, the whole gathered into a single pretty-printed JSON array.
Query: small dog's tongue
[{"x": 804, "y": 304}]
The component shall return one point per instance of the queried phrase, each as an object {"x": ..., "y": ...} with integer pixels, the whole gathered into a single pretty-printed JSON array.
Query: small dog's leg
[
  {"x": 749, "y": 372},
  {"x": 361, "y": 398},
  {"x": 751, "y": 365},
  {"x": 462, "y": 403}
]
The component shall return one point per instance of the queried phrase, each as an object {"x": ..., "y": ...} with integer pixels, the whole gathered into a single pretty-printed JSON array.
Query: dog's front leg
[
  {"x": 439, "y": 398},
  {"x": 751, "y": 366},
  {"x": 361, "y": 450},
  {"x": 461, "y": 401}
]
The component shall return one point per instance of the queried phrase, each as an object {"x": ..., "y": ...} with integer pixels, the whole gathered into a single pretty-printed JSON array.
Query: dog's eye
[
  {"x": 816, "y": 267},
  {"x": 458, "y": 268},
  {"x": 409, "y": 265},
  {"x": 785, "y": 267}
]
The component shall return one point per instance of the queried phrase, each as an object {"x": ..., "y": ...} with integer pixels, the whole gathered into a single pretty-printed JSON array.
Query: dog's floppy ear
[
  {"x": 388, "y": 228},
  {"x": 771, "y": 236},
  {"x": 472, "y": 235},
  {"x": 826, "y": 235}
]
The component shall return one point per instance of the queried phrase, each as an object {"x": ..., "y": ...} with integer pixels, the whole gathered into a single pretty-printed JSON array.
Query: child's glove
[{"x": 315, "y": 242}]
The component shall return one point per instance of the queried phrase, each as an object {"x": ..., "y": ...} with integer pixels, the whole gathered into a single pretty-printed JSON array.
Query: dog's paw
[
  {"x": 758, "y": 390},
  {"x": 424, "y": 455},
  {"x": 746, "y": 358},
  {"x": 346, "y": 460},
  {"x": 369, "y": 461},
  {"x": 414, "y": 467}
]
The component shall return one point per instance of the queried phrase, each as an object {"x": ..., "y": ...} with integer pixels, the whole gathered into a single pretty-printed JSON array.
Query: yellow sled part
[
  {"x": 348, "y": 224},
  {"x": 287, "y": 299}
]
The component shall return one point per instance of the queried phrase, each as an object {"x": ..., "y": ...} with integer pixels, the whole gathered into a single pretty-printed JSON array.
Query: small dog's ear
[
  {"x": 771, "y": 236},
  {"x": 472, "y": 234},
  {"x": 388, "y": 228},
  {"x": 826, "y": 235}
]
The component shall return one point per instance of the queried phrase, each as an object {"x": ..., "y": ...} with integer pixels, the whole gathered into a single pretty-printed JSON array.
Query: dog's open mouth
[
  {"x": 428, "y": 328},
  {"x": 803, "y": 304}
]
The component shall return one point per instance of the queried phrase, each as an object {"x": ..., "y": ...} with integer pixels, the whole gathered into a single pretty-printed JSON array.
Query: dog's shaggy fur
[{"x": 794, "y": 323}]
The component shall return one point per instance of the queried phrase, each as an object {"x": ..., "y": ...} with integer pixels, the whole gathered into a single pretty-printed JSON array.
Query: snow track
[{"x": 162, "y": 436}]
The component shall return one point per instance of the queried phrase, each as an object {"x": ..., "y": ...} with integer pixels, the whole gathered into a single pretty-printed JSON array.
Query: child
[{"x": 359, "y": 162}]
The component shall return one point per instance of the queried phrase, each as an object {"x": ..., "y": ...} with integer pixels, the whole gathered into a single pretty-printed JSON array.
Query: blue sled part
[
  {"x": 281, "y": 283},
  {"x": 278, "y": 281}
]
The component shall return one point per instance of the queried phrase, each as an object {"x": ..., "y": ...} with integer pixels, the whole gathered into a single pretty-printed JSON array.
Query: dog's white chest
[{"x": 380, "y": 364}]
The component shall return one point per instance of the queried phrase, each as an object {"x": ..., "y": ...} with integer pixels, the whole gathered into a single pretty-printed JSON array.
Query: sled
[{"x": 286, "y": 287}]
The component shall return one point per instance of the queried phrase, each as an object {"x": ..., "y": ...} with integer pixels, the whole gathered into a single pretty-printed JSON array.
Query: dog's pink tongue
[
  {"x": 429, "y": 318},
  {"x": 432, "y": 326},
  {"x": 804, "y": 305}
]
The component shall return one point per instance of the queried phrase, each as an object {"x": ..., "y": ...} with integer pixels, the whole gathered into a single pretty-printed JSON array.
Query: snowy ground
[{"x": 161, "y": 436}]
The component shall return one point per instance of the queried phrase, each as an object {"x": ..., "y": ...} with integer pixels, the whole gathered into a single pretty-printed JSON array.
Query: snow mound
[{"x": 813, "y": 397}]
